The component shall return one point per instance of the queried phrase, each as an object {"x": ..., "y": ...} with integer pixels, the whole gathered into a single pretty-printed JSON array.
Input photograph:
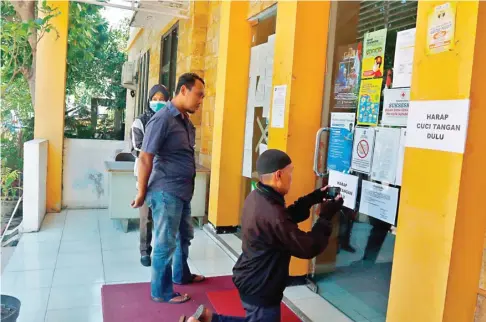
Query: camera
[{"x": 332, "y": 192}]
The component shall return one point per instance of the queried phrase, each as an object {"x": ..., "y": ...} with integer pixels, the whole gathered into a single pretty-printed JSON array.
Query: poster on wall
[
  {"x": 385, "y": 155},
  {"x": 278, "y": 106},
  {"x": 379, "y": 201},
  {"x": 346, "y": 85},
  {"x": 369, "y": 101},
  {"x": 395, "y": 106},
  {"x": 403, "y": 63},
  {"x": 401, "y": 155},
  {"x": 363, "y": 144},
  {"x": 374, "y": 54},
  {"x": 340, "y": 142},
  {"x": 441, "y": 28},
  {"x": 348, "y": 184}
]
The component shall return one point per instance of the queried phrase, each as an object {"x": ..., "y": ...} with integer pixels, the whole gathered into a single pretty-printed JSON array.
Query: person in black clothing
[
  {"x": 270, "y": 237},
  {"x": 157, "y": 99}
]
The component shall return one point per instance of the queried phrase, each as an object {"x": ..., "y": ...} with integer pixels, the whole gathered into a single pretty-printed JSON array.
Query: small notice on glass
[{"x": 278, "y": 106}]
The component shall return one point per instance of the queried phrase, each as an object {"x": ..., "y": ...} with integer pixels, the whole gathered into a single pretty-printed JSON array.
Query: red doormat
[
  {"x": 227, "y": 302},
  {"x": 132, "y": 302}
]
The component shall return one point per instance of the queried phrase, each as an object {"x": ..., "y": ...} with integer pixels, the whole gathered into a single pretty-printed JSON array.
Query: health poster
[
  {"x": 374, "y": 54},
  {"x": 347, "y": 69},
  {"x": 441, "y": 28},
  {"x": 395, "y": 106},
  {"x": 340, "y": 142},
  {"x": 385, "y": 155},
  {"x": 369, "y": 101},
  {"x": 363, "y": 144}
]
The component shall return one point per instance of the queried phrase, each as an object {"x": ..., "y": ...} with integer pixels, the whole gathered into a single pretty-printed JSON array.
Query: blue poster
[{"x": 340, "y": 149}]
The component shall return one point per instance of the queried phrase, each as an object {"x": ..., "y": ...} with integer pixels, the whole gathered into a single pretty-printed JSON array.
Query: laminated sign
[
  {"x": 363, "y": 145},
  {"x": 374, "y": 54}
]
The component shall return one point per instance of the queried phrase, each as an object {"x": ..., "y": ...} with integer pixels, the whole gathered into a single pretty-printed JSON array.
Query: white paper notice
[
  {"x": 401, "y": 155},
  {"x": 395, "y": 106},
  {"x": 364, "y": 141},
  {"x": 385, "y": 155},
  {"x": 262, "y": 148},
  {"x": 278, "y": 106},
  {"x": 402, "y": 66},
  {"x": 348, "y": 185},
  {"x": 438, "y": 125},
  {"x": 343, "y": 120},
  {"x": 247, "y": 162},
  {"x": 379, "y": 201}
]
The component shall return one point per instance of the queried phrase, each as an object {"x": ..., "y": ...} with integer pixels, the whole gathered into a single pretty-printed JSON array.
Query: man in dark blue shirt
[{"x": 166, "y": 174}]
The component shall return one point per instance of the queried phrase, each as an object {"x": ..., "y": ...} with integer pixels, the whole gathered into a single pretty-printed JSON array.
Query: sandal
[
  {"x": 183, "y": 299},
  {"x": 194, "y": 279}
]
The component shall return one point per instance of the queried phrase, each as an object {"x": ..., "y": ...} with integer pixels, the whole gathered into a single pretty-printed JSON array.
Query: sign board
[
  {"x": 347, "y": 69},
  {"x": 441, "y": 28},
  {"x": 278, "y": 106},
  {"x": 369, "y": 101},
  {"x": 401, "y": 155},
  {"x": 374, "y": 54},
  {"x": 385, "y": 155},
  {"x": 403, "y": 63},
  {"x": 348, "y": 185},
  {"x": 364, "y": 141},
  {"x": 340, "y": 142},
  {"x": 395, "y": 106},
  {"x": 379, "y": 201},
  {"x": 438, "y": 125}
]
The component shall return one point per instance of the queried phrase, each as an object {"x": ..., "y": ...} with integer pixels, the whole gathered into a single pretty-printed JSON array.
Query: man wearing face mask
[
  {"x": 157, "y": 99},
  {"x": 166, "y": 174}
]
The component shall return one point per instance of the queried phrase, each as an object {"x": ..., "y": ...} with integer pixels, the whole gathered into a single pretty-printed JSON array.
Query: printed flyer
[
  {"x": 441, "y": 28},
  {"x": 369, "y": 101},
  {"x": 340, "y": 142},
  {"x": 374, "y": 54},
  {"x": 395, "y": 106},
  {"x": 346, "y": 85}
]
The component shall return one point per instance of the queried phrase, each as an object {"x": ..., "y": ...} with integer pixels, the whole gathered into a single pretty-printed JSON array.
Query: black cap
[
  {"x": 156, "y": 89},
  {"x": 271, "y": 161}
]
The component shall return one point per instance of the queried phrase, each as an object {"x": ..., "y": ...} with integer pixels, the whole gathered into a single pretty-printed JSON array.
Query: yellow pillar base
[
  {"x": 299, "y": 63},
  {"x": 230, "y": 111},
  {"x": 442, "y": 220},
  {"x": 50, "y": 89}
]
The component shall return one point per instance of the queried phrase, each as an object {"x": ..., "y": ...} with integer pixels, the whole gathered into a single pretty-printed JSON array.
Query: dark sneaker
[{"x": 146, "y": 261}]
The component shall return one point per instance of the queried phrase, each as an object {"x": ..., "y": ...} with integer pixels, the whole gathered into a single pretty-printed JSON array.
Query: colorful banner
[
  {"x": 441, "y": 28},
  {"x": 346, "y": 85},
  {"x": 340, "y": 142},
  {"x": 374, "y": 54},
  {"x": 369, "y": 101}
]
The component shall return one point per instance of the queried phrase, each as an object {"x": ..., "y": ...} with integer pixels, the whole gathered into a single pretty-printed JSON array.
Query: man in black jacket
[{"x": 270, "y": 237}]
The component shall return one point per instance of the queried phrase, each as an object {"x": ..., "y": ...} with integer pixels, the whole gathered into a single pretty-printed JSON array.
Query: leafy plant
[{"x": 10, "y": 183}]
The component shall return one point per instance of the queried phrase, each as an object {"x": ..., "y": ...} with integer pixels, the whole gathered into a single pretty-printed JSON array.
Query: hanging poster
[
  {"x": 374, "y": 54},
  {"x": 346, "y": 85},
  {"x": 403, "y": 63},
  {"x": 441, "y": 28},
  {"x": 369, "y": 101},
  {"x": 379, "y": 201},
  {"x": 364, "y": 141},
  {"x": 385, "y": 155},
  {"x": 395, "y": 106},
  {"x": 340, "y": 142},
  {"x": 278, "y": 106},
  {"x": 401, "y": 154},
  {"x": 348, "y": 185}
]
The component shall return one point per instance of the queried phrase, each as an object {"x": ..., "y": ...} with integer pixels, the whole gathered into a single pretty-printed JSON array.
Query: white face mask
[{"x": 157, "y": 105}]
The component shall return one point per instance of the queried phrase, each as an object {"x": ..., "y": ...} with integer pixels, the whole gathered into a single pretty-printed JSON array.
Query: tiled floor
[{"x": 58, "y": 272}]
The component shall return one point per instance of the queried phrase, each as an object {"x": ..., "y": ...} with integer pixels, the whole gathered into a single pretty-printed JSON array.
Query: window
[
  {"x": 168, "y": 59},
  {"x": 143, "y": 71}
]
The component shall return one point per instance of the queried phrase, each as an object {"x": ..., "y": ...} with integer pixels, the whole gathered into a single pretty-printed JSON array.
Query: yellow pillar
[
  {"x": 442, "y": 220},
  {"x": 50, "y": 90},
  {"x": 299, "y": 63},
  {"x": 229, "y": 114}
]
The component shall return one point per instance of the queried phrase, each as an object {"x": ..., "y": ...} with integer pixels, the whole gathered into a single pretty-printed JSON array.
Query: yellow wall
[{"x": 50, "y": 89}]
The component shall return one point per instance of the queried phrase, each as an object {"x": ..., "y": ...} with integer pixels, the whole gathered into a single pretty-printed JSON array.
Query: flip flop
[
  {"x": 193, "y": 279},
  {"x": 185, "y": 298}
]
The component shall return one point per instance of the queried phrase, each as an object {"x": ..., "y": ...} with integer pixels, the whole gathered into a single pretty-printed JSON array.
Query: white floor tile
[
  {"x": 214, "y": 267},
  {"x": 78, "y": 276},
  {"x": 209, "y": 251},
  {"x": 54, "y": 221},
  {"x": 127, "y": 274},
  {"x": 81, "y": 259},
  {"x": 33, "y": 304},
  {"x": 80, "y": 235},
  {"x": 82, "y": 314},
  {"x": 318, "y": 309},
  {"x": 294, "y": 293},
  {"x": 30, "y": 247},
  {"x": 26, "y": 280},
  {"x": 22, "y": 261},
  {"x": 120, "y": 241},
  {"x": 31, "y": 316},
  {"x": 82, "y": 246},
  {"x": 68, "y": 297},
  {"x": 122, "y": 257},
  {"x": 50, "y": 235}
]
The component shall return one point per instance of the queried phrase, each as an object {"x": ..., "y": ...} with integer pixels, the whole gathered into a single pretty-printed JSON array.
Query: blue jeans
[
  {"x": 173, "y": 235},
  {"x": 253, "y": 314}
]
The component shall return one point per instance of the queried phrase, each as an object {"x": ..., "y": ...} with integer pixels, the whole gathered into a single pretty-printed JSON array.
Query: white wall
[
  {"x": 85, "y": 180},
  {"x": 35, "y": 180}
]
